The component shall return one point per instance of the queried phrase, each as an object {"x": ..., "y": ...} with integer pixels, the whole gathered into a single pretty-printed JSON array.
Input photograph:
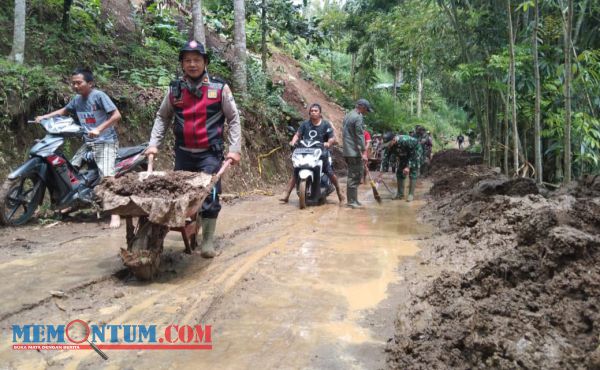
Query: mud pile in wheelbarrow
[
  {"x": 169, "y": 186},
  {"x": 166, "y": 198},
  {"x": 160, "y": 201}
]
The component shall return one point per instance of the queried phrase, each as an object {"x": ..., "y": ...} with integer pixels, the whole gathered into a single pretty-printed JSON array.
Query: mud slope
[
  {"x": 519, "y": 275},
  {"x": 301, "y": 93}
]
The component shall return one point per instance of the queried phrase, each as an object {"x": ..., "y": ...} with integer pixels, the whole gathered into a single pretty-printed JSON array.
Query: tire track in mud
[
  {"x": 47, "y": 299},
  {"x": 123, "y": 273},
  {"x": 102, "y": 289},
  {"x": 203, "y": 289},
  {"x": 213, "y": 290}
]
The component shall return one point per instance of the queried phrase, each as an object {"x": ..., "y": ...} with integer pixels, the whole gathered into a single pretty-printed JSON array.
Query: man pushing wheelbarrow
[{"x": 199, "y": 105}]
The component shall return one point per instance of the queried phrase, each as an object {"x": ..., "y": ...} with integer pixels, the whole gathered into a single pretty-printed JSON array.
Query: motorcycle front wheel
[
  {"x": 19, "y": 198},
  {"x": 302, "y": 193}
]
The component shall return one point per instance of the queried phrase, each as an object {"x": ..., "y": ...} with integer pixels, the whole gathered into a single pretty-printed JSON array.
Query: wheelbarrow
[{"x": 172, "y": 210}]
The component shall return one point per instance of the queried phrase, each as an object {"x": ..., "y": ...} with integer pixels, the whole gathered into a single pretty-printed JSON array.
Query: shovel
[{"x": 387, "y": 187}]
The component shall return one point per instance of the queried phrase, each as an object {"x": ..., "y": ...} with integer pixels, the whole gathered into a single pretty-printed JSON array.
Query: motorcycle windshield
[
  {"x": 306, "y": 150},
  {"x": 61, "y": 125},
  {"x": 310, "y": 144}
]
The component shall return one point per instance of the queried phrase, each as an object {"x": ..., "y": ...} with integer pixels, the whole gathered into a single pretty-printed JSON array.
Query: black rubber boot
[
  {"x": 400, "y": 193},
  {"x": 411, "y": 190},
  {"x": 352, "y": 201}
]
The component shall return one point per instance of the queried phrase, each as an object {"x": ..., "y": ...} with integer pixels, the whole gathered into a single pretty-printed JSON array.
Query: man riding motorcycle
[{"x": 317, "y": 129}]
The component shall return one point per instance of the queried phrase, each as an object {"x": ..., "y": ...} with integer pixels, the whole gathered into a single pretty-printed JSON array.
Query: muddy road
[{"x": 290, "y": 289}]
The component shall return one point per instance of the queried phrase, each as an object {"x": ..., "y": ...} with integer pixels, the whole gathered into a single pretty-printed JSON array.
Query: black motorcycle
[{"x": 48, "y": 168}]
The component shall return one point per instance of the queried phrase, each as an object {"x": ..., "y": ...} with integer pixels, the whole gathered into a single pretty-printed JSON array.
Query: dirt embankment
[
  {"x": 301, "y": 93},
  {"x": 519, "y": 275}
]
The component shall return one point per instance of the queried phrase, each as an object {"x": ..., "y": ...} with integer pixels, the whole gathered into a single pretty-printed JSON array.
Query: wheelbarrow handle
[
  {"x": 224, "y": 167},
  {"x": 150, "y": 163}
]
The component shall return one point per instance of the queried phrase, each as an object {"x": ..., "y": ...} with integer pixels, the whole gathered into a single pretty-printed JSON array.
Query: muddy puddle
[
  {"x": 302, "y": 298},
  {"x": 290, "y": 289},
  {"x": 30, "y": 278}
]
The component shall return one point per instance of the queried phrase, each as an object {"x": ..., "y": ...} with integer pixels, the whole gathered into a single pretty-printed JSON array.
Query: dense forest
[{"x": 524, "y": 76}]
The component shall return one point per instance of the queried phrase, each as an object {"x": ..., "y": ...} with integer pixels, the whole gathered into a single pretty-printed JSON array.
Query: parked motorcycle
[
  {"x": 313, "y": 186},
  {"x": 48, "y": 168}
]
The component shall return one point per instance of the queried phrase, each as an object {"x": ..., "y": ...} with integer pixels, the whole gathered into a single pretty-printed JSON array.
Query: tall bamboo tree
[
  {"x": 264, "y": 30},
  {"x": 66, "y": 16},
  {"x": 538, "y": 96},
  {"x": 567, "y": 91},
  {"x": 239, "y": 64},
  {"x": 513, "y": 90},
  {"x": 17, "y": 53},
  {"x": 198, "y": 22}
]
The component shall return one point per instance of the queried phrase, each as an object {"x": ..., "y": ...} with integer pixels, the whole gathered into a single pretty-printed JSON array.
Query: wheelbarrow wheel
[{"x": 144, "y": 249}]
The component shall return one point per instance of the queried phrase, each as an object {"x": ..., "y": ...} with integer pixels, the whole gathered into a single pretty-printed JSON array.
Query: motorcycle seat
[{"x": 130, "y": 151}]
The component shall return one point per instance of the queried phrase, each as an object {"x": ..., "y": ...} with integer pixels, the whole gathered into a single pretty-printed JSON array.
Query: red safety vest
[{"x": 199, "y": 121}]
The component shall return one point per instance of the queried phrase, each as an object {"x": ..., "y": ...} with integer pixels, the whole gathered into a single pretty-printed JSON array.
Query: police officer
[
  {"x": 409, "y": 151},
  {"x": 199, "y": 105}
]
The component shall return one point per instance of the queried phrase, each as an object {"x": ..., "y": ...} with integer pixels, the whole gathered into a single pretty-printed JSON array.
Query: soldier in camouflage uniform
[
  {"x": 409, "y": 152},
  {"x": 426, "y": 146},
  {"x": 388, "y": 158}
]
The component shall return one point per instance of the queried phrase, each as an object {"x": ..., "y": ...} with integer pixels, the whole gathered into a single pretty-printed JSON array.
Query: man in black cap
[
  {"x": 199, "y": 105},
  {"x": 355, "y": 149}
]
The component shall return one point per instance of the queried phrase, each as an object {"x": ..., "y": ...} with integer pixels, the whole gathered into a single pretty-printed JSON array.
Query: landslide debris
[{"x": 521, "y": 280}]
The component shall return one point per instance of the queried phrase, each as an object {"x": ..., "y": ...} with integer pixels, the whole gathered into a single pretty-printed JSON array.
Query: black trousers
[{"x": 207, "y": 162}]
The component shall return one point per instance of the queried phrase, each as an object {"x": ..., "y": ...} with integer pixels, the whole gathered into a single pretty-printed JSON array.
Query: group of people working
[
  {"x": 407, "y": 152},
  {"x": 198, "y": 105}
]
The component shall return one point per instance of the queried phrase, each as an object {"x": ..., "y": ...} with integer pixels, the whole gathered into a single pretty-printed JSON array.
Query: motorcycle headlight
[{"x": 304, "y": 160}]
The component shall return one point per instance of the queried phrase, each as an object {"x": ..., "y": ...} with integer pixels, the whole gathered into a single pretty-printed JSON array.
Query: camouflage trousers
[
  {"x": 389, "y": 159},
  {"x": 413, "y": 171}
]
